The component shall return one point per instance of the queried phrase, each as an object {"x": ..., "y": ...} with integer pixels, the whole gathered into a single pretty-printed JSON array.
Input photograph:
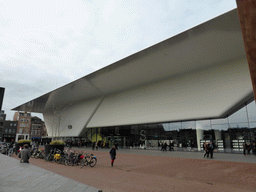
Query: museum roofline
[{"x": 167, "y": 59}]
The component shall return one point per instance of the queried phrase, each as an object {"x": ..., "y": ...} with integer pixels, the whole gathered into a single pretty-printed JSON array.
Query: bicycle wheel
[
  {"x": 47, "y": 158},
  {"x": 93, "y": 162},
  {"x": 51, "y": 158},
  {"x": 32, "y": 156},
  {"x": 84, "y": 163},
  {"x": 69, "y": 162},
  {"x": 61, "y": 161},
  {"x": 66, "y": 162},
  {"x": 41, "y": 156},
  {"x": 10, "y": 153}
]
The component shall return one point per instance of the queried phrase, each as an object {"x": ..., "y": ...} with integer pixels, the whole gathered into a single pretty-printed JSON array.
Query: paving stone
[
  {"x": 67, "y": 186},
  {"x": 46, "y": 181},
  {"x": 91, "y": 189},
  {"x": 23, "y": 177},
  {"x": 7, "y": 183},
  {"x": 35, "y": 190},
  {"x": 80, "y": 185},
  {"x": 79, "y": 189},
  {"x": 11, "y": 189},
  {"x": 53, "y": 187}
]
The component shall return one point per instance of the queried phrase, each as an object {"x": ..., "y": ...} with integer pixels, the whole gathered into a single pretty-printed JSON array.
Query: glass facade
[{"x": 228, "y": 134}]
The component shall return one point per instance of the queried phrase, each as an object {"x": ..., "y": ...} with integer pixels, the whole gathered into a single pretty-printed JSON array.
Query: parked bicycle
[
  {"x": 50, "y": 156},
  {"x": 89, "y": 159},
  {"x": 10, "y": 152},
  {"x": 74, "y": 158},
  {"x": 68, "y": 157},
  {"x": 40, "y": 154}
]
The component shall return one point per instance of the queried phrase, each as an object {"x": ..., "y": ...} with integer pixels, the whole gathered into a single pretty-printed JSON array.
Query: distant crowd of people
[
  {"x": 94, "y": 145},
  {"x": 99, "y": 144},
  {"x": 247, "y": 148},
  {"x": 208, "y": 149},
  {"x": 164, "y": 146}
]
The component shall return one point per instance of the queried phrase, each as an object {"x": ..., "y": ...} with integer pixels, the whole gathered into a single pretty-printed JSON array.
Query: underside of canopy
[{"x": 198, "y": 74}]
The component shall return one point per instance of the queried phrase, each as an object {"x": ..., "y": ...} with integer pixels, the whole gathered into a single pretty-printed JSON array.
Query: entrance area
[{"x": 227, "y": 134}]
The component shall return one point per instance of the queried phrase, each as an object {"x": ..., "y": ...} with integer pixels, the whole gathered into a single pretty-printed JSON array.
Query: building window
[
  {"x": 14, "y": 124},
  {"x": 10, "y": 124},
  {"x": 26, "y": 131},
  {"x": 6, "y": 130},
  {"x": 27, "y": 120},
  {"x": 23, "y": 120},
  {"x": 20, "y": 130},
  {"x": 13, "y": 131}
]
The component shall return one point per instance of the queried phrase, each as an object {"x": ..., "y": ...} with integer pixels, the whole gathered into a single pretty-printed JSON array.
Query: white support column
[{"x": 199, "y": 136}]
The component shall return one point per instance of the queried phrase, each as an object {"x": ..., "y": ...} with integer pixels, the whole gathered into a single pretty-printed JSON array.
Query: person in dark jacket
[
  {"x": 254, "y": 148},
  {"x": 211, "y": 148},
  {"x": 24, "y": 155},
  {"x": 248, "y": 147},
  {"x": 112, "y": 153},
  {"x": 244, "y": 148},
  {"x": 165, "y": 146},
  {"x": 93, "y": 145},
  {"x": 116, "y": 145}
]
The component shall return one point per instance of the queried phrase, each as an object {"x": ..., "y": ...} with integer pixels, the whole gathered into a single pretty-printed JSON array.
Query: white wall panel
[
  {"x": 200, "y": 94},
  {"x": 76, "y": 114}
]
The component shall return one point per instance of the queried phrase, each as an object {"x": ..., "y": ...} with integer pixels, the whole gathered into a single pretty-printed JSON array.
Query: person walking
[
  {"x": 206, "y": 152},
  {"x": 171, "y": 146},
  {"x": 93, "y": 145},
  {"x": 244, "y": 148},
  {"x": 96, "y": 146},
  {"x": 162, "y": 146},
  {"x": 112, "y": 153},
  {"x": 24, "y": 154},
  {"x": 211, "y": 148},
  {"x": 254, "y": 148},
  {"x": 248, "y": 147},
  {"x": 165, "y": 146}
]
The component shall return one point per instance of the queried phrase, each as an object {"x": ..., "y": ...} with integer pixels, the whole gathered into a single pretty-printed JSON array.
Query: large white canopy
[{"x": 198, "y": 74}]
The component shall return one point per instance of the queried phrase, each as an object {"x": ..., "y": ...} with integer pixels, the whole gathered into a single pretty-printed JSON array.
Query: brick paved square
[{"x": 151, "y": 170}]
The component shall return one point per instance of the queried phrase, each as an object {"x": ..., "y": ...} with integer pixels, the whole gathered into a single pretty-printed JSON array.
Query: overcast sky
[{"x": 47, "y": 44}]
